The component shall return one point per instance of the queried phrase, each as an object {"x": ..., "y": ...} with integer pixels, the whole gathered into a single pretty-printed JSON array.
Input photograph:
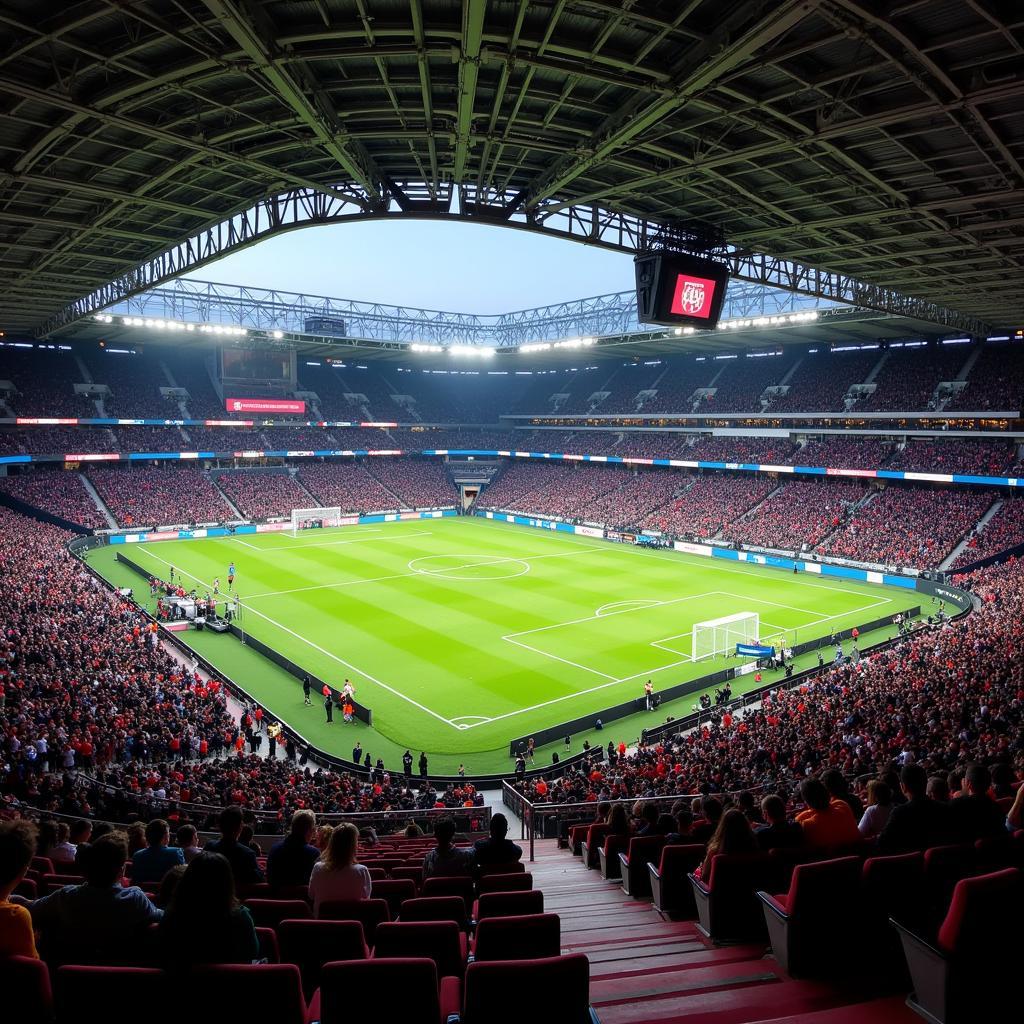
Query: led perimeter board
[{"x": 675, "y": 289}]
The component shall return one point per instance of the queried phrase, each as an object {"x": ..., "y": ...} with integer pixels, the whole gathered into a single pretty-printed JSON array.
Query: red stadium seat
[
  {"x": 274, "y": 991},
  {"x": 511, "y": 867},
  {"x": 529, "y": 937},
  {"x": 443, "y": 941},
  {"x": 77, "y": 988},
  {"x": 267, "y": 913},
  {"x": 608, "y": 856},
  {"x": 442, "y": 886},
  {"x": 25, "y": 984},
  {"x": 670, "y": 887},
  {"x": 592, "y": 844},
  {"x": 811, "y": 927},
  {"x": 563, "y": 980},
  {"x": 966, "y": 973},
  {"x": 508, "y": 904},
  {"x": 311, "y": 944},
  {"x": 727, "y": 905},
  {"x": 408, "y": 988},
  {"x": 393, "y": 891},
  {"x": 516, "y": 882},
  {"x": 269, "y": 951},
  {"x": 633, "y": 864},
  {"x": 369, "y": 913},
  {"x": 436, "y": 908}
]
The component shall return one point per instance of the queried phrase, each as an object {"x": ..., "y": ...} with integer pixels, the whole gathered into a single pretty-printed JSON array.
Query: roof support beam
[
  {"x": 702, "y": 66},
  {"x": 469, "y": 71},
  {"x": 318, "y": 117}
]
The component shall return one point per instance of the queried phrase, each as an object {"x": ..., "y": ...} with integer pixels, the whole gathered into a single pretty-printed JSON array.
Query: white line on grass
[
  {"x": 317, "y": 647},
  {"x": 404, "y": 575},
  {"x": 352, "y": 540}
]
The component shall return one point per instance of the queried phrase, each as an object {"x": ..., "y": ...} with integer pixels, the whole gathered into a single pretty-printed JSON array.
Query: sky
[{"x": 444, "y": 265}]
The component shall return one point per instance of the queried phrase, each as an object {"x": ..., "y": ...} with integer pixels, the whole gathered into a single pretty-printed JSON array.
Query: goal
[
  {"x": 307, "y": 518},
  {"x": 720, "y": 636}
]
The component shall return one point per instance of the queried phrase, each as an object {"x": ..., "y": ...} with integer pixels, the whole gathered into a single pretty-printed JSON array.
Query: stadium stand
[
  {"x": 263, "y": 495},
  {"x": 1003, "y": 531},
  {"x": 417, "y": 483},
  {"x": 152, "y": 496},
  {"x": 348, "y": 485},
  {"x": 822, "y": 379},
  {"x": 708, "y": 505},
  {"x": 58, "y": 493}
]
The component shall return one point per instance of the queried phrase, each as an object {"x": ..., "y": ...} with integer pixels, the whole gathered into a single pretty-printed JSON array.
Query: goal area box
[{"x": 305, "y": 518}]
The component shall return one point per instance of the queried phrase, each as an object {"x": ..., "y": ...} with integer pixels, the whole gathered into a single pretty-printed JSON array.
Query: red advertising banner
[{"x": 281, "y": 405}]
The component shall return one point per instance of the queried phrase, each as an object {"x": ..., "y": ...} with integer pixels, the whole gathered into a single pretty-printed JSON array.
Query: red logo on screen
[{"x": 693, "y": 296}]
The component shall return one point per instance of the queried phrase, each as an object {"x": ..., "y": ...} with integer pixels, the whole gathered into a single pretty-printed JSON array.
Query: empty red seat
[
  {"x": 811, "y": 926},
  {"x": 508, "y": 904},
  {"x": 436, "y": 908},
  {"x": 592, "y": 844},
  {"x": 443, "y": 941},
  {"x": 43, "y": 865},
  {"x": 891, "y": 887},
  {"x": 273, "y": 990},
  {"x": 642, "y": 850},
  {"x": 407, "y": 989},
  {"x": 393, "y": 891},
  {"x": 369, "y": 913},
  {"x": 291, "y": 892},
  {"x": 440, "y": 886},
  {"x": 670, "y": 886},
  {"x": 529, "y": 937},
  {"x": 269, "y": 950},
  {"x": 413, "y": 874},
  {"x": 515, "y": 882},
  {"x": 966, "y": 974},
  {"x": 512, "y": 867},
  {"x": 727, "y": 905},
  {"x": 25, "y": 984},
  {"x": 78, "y": 988},
  {"x": 27, "y": 888},
  {"x": 608, "y": 856},
  {"x": 54, "y": 882},
  {"x": 311, "y": 944},
  {"x": 267, "y": 913},
  {"x": 944, "y": 866},
  {"x": 563, "y": 980}
]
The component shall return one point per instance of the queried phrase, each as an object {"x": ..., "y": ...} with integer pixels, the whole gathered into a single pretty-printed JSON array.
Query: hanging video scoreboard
[{"x": 678, "y": 290}]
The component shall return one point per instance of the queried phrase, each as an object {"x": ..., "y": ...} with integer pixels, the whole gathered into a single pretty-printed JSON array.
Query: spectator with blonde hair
[{"x": 337, "y": 875}]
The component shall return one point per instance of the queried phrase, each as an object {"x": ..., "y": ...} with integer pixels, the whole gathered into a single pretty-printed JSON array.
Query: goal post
[
  {"x": 720, "y": 636},
  {"x": 305, "y": 518}
]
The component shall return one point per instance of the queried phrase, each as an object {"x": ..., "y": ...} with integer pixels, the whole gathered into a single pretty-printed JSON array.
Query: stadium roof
[{"x": 142, "y": 140}]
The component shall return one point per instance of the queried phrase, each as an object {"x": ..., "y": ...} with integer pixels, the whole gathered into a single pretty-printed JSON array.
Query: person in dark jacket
[
  {"x": 498, "y": 849},
  {"x": 290, "y": 862},
  {"x": 243, "y": 863},
  {"x": 918, "y": 823},
  {"x": 975, "y": 815},
  {"x": 778, "y": 832}
]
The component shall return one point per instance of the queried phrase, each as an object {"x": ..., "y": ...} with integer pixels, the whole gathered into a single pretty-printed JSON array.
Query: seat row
[{"x": 407, "y": 989}]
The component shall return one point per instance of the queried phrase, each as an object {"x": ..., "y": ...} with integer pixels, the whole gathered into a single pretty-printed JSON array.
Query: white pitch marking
[
  {"x": 317, "y": 647},
  {"x": 354, "y": 540}
]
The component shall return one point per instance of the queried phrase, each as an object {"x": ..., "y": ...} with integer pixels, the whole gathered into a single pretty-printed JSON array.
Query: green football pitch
[{"x": 464, "y": 633}]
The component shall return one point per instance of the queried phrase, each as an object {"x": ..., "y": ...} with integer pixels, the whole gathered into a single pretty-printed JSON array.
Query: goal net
[
  {"x": 720, "y": 636},
  {"x": 311, "y": 518}
]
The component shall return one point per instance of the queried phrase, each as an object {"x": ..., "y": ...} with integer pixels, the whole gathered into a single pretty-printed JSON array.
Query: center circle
[{"x": 470, "y": 567}]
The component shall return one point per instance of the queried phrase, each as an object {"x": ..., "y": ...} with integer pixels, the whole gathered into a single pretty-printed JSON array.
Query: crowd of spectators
[
  {"x": 772, "y": 451},
  {"x": 1003, "y": 531},
  {"x": 562, "y": 491},
  {"x": 821, "y": 381},
  {"x": 417, "y": 483},
  {"x": 740, "y": 385},
  {"x": 844, "y": 453},
  {"x": 941, "y": 698},
  {"x": 150, "y": 439},
  {"x": 627, "y": 383},
  {"x": 151, "y": 496},
  {"x": 800, "y": 513},
  {"x": 908, "y": 527},
  {"x": 708, "y": 505},
  {"x": 629, "y": 504},
  {"x": 909, "y": 377},
  {"x": 44, "y": 382},
  {"x": 263, "y": 495},
  {"x": 996, "y": 382},
  {"x": 58, "y": 492},
  {"x": 67, "y": 440},
  {"x": 347, "y": 485},
  {"x": 982, "y": 458}
]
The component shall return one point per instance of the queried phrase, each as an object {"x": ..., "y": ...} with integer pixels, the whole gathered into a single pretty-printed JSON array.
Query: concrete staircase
[
  {"x": 648, "y": 969},
  {"x": 99, "y": 502}
]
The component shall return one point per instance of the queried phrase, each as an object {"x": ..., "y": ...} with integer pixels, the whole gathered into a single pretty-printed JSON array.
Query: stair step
[
  {"x": 743, "y": 999},
  {"x": 893, "y": 1010}
]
